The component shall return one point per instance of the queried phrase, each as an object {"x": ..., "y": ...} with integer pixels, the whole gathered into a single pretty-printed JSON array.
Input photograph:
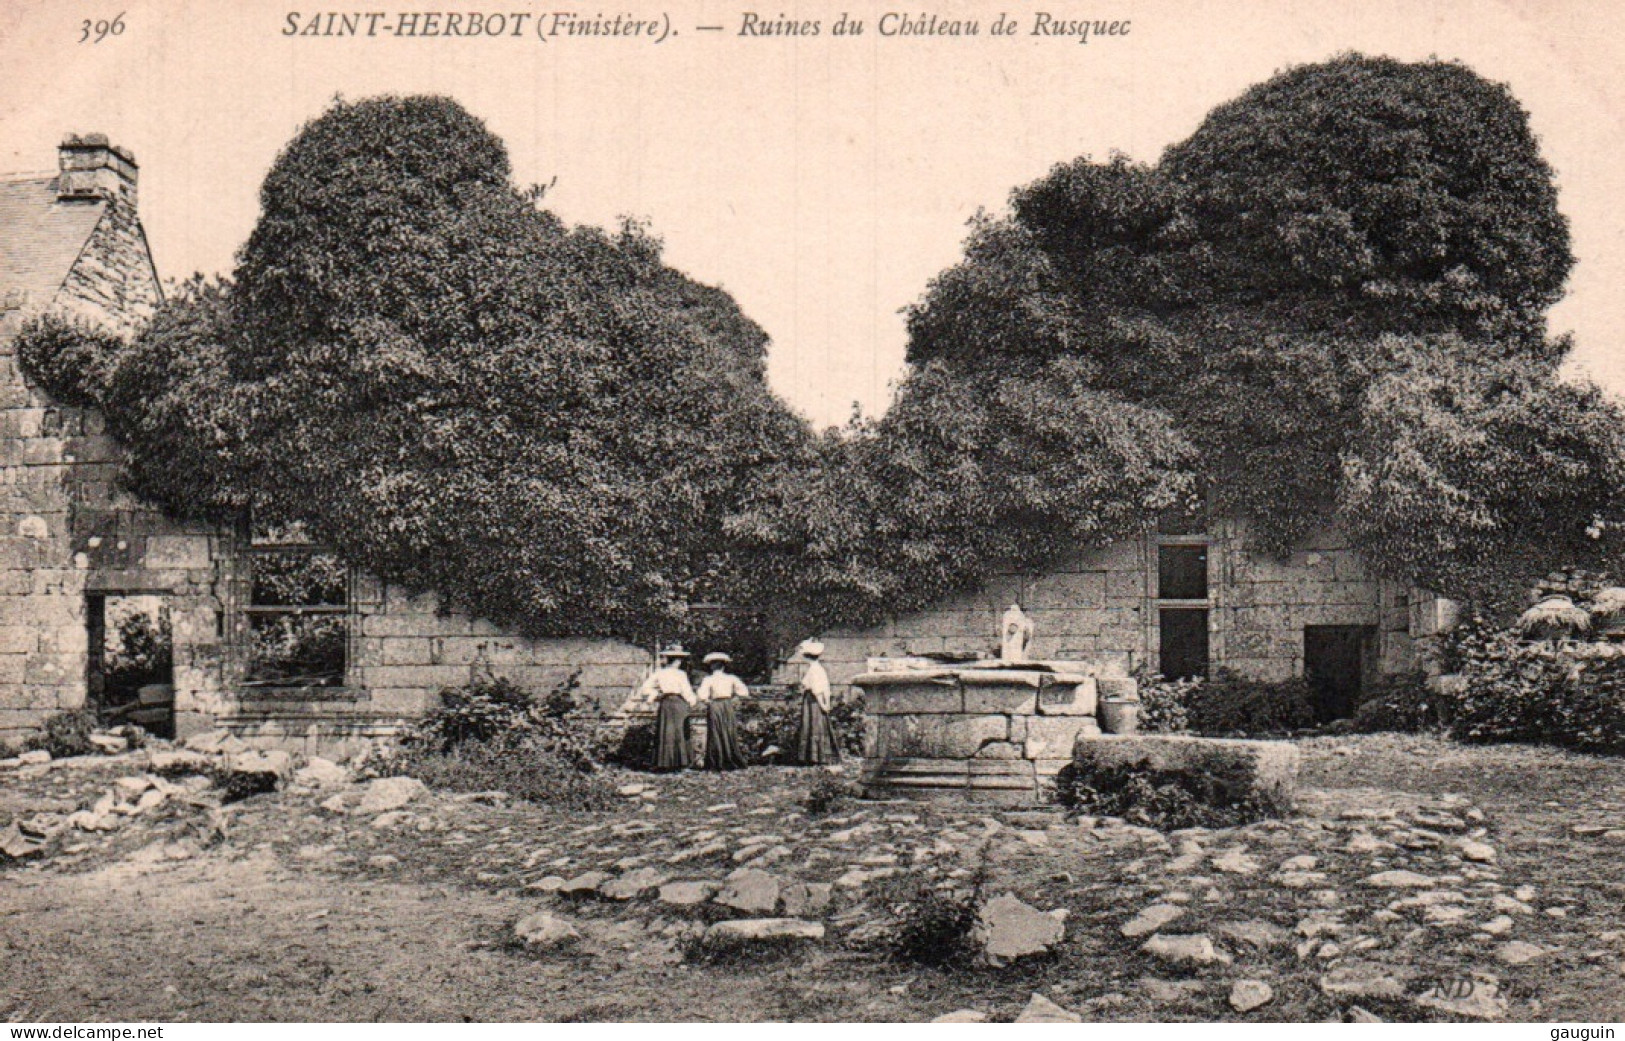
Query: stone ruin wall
[{"x": 1102, "y": 606}]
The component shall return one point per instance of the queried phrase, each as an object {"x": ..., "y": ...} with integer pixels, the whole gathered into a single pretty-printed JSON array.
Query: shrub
[
  {"x": 936, "y": 921},
  {"x": 1403, "y": 704},
  {"x": 1232, "y": 703},
  {"x": 494, "y": 735},
  {"x": 66, "y": 734},
  {"x": 526, "y": 766},
  {"x": 1540, "y": 692},
  {"x": 828, "y": 794},
  {"x": 1163, "y": 702},
  {"x": 1163, "y": 799}
]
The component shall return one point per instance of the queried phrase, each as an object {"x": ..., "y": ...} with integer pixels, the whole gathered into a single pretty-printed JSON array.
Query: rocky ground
[{"x": 1422, "y": 880}]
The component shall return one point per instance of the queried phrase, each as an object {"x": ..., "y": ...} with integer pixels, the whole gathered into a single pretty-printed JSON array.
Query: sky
[{"x": 821, "y": 180}]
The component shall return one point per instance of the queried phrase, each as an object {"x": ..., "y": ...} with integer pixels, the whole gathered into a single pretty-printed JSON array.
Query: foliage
[
  {"x": 237, "y": 785},
  {"x": 527, "y": 766},
  {"x": 1270, "y": 287},
  {"x": 828, "y": 794},
  {"x": 1481, "y": 478},
  {"x": 67, "y": 357},
  {"x": 1542, "y": 691},
  {"x": 768, "y": 728},
  {"x": 1403, "y": 703},
  {"x": 1230, "y": 703},
  {"x": 65, "y": 734},
  {"x": 144, "y": 652},
  {"x": 936, "y": 920},
  {"x": 494, "y": 735},
  {"x": 1163, "y": 799},
  {"x": 1163, "y": 702},
  {"x": 454, "y": 391}
]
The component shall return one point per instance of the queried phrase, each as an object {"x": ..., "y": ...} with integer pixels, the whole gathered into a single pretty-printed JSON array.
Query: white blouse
[{"x": 720, "y": 686}]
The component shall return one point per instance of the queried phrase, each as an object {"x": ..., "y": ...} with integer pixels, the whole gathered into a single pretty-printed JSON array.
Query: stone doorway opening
[
  {"x": 131, "y": 660},
  {"x": 1337, "y": 659}
]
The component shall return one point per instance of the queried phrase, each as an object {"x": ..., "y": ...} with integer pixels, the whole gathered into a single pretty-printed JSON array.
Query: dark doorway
[
  {"x": 130, "y": 667},
  {"x": 1184, "y": 642},
  {"x": 1336, "y": 659}
]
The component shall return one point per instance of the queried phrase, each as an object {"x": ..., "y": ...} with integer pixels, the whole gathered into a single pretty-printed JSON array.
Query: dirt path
[{"x": 300, "y": 914}]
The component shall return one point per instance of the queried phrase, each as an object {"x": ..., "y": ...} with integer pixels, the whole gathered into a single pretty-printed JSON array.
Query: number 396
[{"x": 97, "y": 31}]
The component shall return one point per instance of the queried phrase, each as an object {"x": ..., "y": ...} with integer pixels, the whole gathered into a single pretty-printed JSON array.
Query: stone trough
[{"x": 993, "y": 731}]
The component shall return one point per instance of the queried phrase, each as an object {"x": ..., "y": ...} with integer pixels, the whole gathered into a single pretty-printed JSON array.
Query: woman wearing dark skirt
[
  {"x": 816, "y": 743},
  {"x": 669, "y": 689},
  {"x": 719, "y": 691}
]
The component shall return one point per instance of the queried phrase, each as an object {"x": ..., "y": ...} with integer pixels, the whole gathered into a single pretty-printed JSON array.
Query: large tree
[
  {"x": 1285, "y": 286},
  {"x": 453, "y": 390}
]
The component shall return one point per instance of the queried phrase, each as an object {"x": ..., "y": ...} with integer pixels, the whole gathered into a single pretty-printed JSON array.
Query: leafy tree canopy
[{"x": 455, "y": 391}]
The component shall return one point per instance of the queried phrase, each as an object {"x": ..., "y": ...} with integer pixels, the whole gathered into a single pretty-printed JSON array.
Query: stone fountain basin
[{"x": 983, "y": 733}]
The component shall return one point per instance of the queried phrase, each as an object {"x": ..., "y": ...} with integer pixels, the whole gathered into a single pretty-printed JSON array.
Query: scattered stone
[
  {"x": 1235, "y": 862},
  {"x": 1253, "y": 933},
  {"x": 1356, "y": 1014},
  {"x": 545, "y": 929},
  {"x": 1150, "y": 920},
  {"x": 389, "y": 793},
  {"x": 385, "y": 821},
  {"x": 1500, "y": 925},
  {"x": 806, "y": 898},
  {"x": 1510, "y": 905},
  {"x": 1399, "y": 880},
  {"x": 964, "y": 1015},
  {"x": 1301, "y": 880},
  {"x": 1479, "y": 852},
  {"x": 747, "y": 929},
  {"x": 633, "y": 884},
  {"x": 1302, "y": 863},
  {"x": 750, "y": 889},
  {"x": 1042, "y": 1010},
  {"x": 631, "y": 791},
  {"x": 1476, "y": 998},
  {"x": 383, "y": 860},
  {"x": 1365, "y": 842},
  {"x": 1588, "y": 830},
  {"x": 150, "y": 799},
  {"x": 1169, "y": 992},
  {"x": 110, "y": 744},
  {"x": 1517, "y": 952},
  {"x": 38, "y": 756},
  {"x": 1193, "y": 949},
  {"x": 1246, "y": 995},
  {"x": 1363, "y": 981},
  {"x": 1009, "y": 929},
  {"x": 14, "y": 845},
  {"x": 321, "y": 773},
  {"x": 687, "y": 894},
  {"x": 584, "y": 885},
  {"x": 336, "y": 804}
]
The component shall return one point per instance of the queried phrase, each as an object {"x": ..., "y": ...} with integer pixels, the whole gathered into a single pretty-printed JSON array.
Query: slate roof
[{"x": 40, "y": 236}]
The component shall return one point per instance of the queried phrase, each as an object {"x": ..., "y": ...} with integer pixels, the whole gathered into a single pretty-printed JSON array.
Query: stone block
[
  {"x": 1266, "y": 770},
  {"x": 1054, "y": 737},
  {"x": 407, "y": 650},
  {"x": 177, "y": 551},
  {"x": 426, "y": 677},
  {"x": 1065, "y": 591},
  {"x": 938, "y": 737},
  {"x": 1009, "y": 698},
  {"x": 1066, "y": 699},
  {"x": 918, "y": 698}
]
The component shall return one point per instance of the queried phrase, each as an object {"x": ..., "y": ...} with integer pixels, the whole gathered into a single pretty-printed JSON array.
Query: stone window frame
[
  {"x": 249, "y": 547},
  {"x": 1157, "y": 603}
]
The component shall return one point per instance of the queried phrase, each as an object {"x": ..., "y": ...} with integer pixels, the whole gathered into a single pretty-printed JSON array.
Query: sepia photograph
[{"x": 977, "y": 511}]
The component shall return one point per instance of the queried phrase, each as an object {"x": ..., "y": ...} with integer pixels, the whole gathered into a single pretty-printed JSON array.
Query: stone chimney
[{"x": 91, "y": 168}]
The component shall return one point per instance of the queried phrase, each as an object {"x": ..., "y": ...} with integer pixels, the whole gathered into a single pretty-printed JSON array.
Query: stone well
[{"x": 990, "y": 731}]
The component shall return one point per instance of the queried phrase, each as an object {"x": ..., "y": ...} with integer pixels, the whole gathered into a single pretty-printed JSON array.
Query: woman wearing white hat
[
  {"x": 669, "y": 689},
  {"x": 718, "y": 691},
  {"x": 816, "y": 743}
]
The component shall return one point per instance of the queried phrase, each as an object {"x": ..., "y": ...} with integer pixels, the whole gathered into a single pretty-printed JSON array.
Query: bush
[
  {"x": 936, "y": 921},
  {"x": 526, "y": 766},
  {"x": 1163, "y": 702},
  {"x": 66, "y": 734},
  {"x": 1539, "y": 692},
  {"x": 1163, "y": 799},
  {"x": 828, "y": 794},
  {"x": 494, "y": 735},
  {"x": 1402, "y": 704},
  {"x": 1230, "y": 703}
]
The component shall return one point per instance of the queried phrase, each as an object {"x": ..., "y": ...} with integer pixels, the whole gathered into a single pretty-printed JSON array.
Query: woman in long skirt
[
  {"x": 816, "y": 744},
  {"x": 669, "y": 689},
  {"x": 719, "y": 691}
]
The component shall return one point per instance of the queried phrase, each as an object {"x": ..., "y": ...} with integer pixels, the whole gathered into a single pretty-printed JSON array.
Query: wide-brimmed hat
[
  {"x": 717, "y": 656},
  {"x": 812, "y": 648},
  {"x": 673, "y": 650}
]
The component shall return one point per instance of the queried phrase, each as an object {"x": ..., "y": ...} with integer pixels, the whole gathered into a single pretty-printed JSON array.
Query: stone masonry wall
[{"x": 1102, "y": 605}]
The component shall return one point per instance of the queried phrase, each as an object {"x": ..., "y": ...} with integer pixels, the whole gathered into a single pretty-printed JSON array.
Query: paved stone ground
[{"x": 1395, "y": 894}]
